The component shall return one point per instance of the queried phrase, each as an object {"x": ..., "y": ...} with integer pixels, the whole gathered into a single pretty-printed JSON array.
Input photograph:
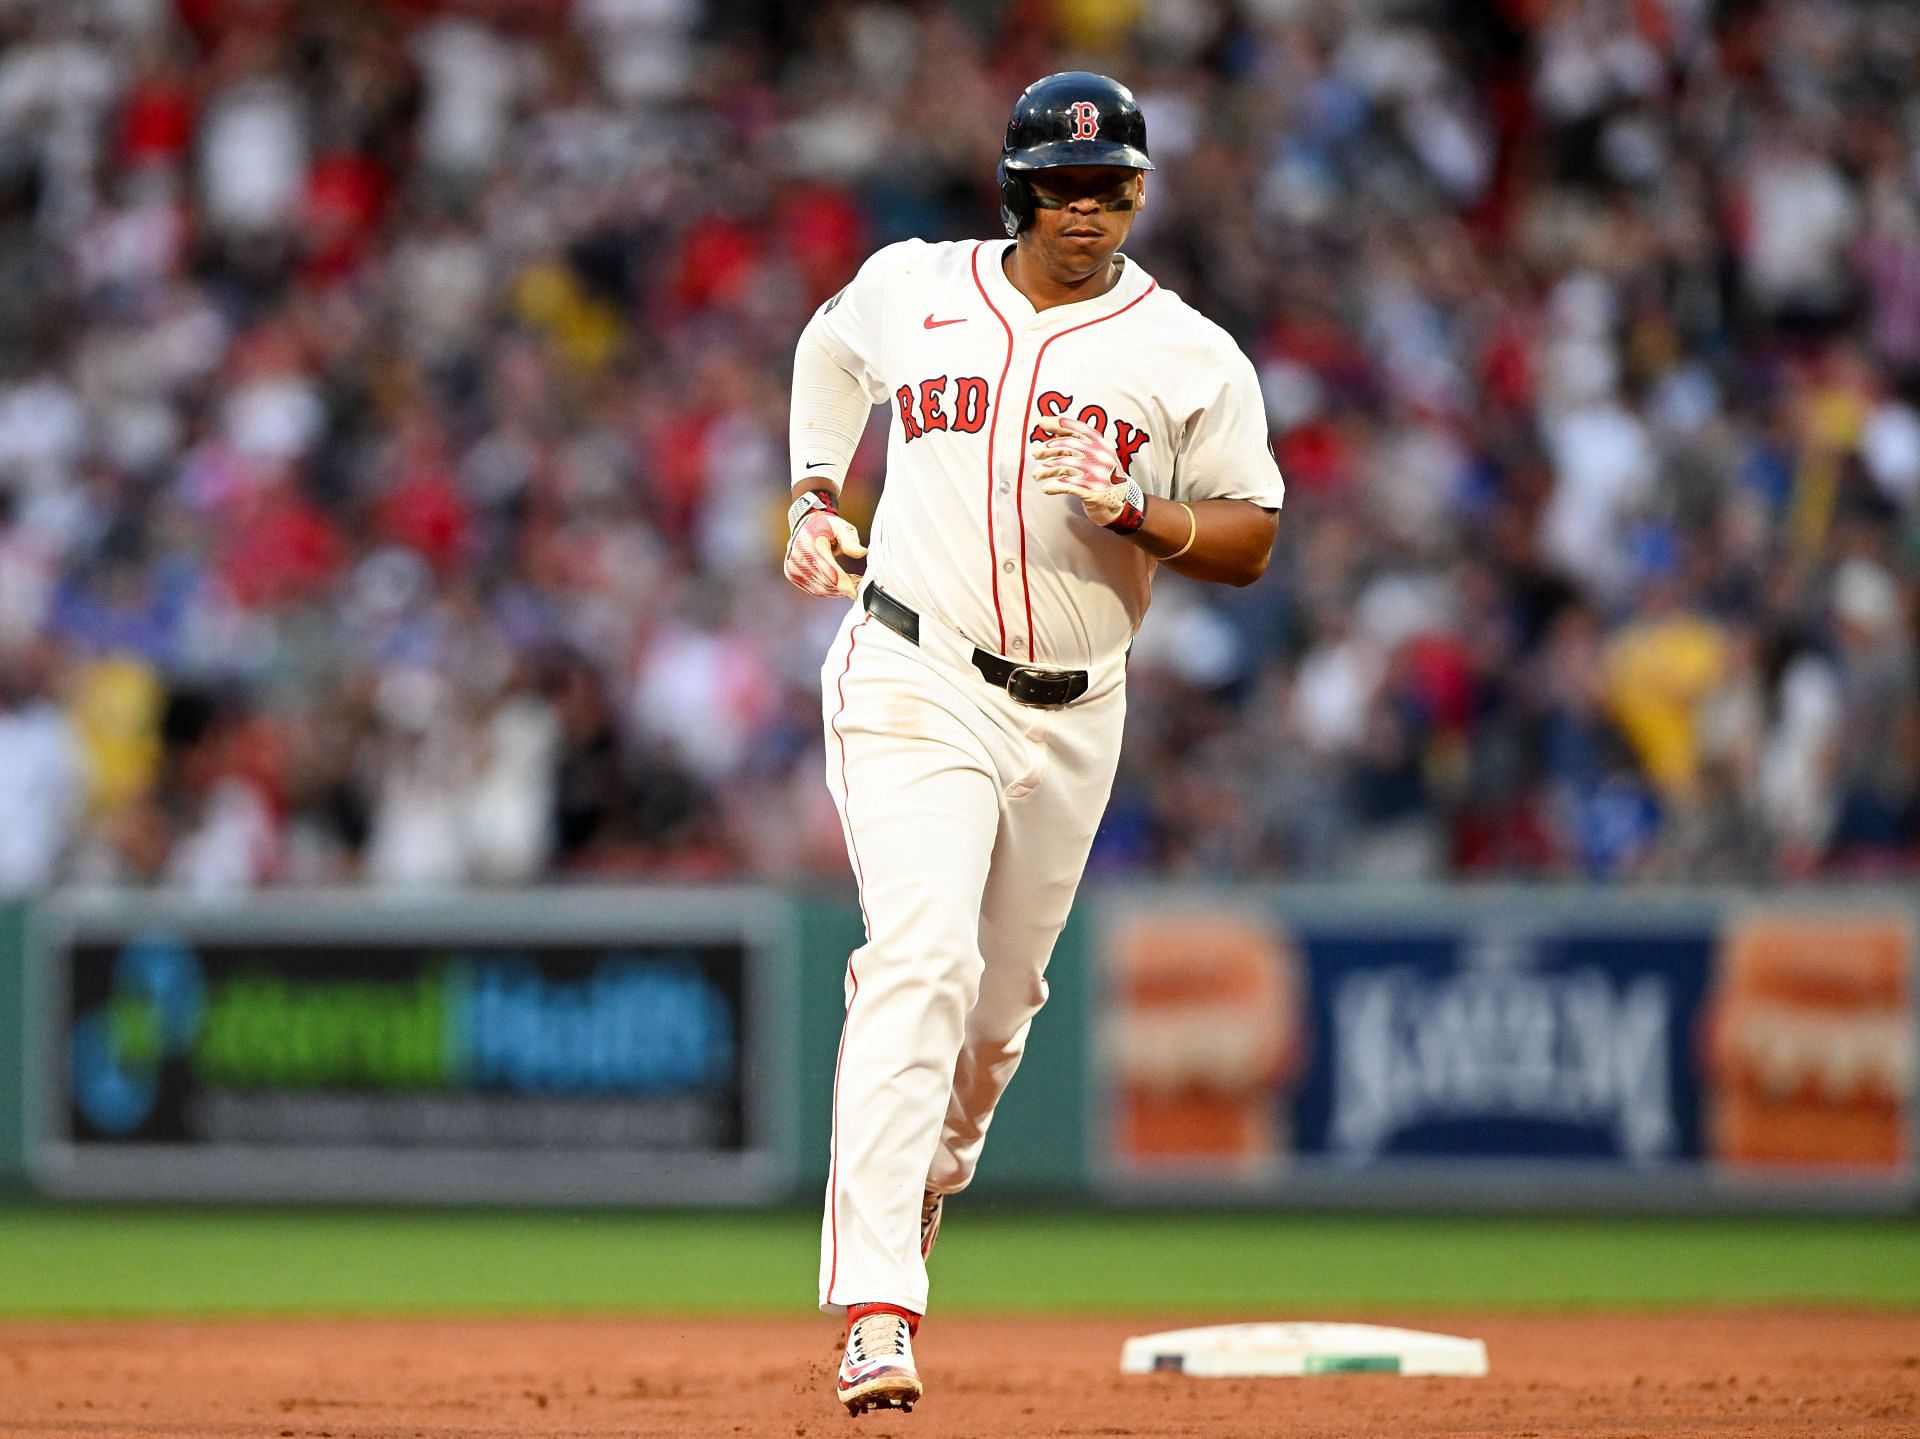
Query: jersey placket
[
  {"x": 1030, "y": 356},
  {"x": 1009, "y": 493},
  {"x": 1006, "y": 437}
]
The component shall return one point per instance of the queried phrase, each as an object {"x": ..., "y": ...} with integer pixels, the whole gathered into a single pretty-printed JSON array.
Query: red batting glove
[
  {"x": 1075, "y": 459},
  {"x": 819, "y": 537}
]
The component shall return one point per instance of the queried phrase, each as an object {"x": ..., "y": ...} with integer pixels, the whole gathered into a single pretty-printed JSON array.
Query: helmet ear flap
[{"x": 1016, "y": 201}]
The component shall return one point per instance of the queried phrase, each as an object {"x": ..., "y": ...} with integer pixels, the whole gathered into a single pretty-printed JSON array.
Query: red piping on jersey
[
  {"x": 993, "y": 424},
  {"x": 860, "y": 880},
  {"x": 1019, "y": 486}
]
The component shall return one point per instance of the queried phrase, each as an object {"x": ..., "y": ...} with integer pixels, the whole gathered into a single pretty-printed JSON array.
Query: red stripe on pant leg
[{"x": 860, "y": 884}]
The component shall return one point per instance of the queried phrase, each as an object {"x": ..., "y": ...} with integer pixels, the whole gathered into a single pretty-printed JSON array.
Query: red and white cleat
[{"x": 877, "y": 1370}]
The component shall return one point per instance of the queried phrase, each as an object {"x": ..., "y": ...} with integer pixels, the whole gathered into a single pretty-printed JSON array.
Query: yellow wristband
[{"x": 1193, "y": 532}]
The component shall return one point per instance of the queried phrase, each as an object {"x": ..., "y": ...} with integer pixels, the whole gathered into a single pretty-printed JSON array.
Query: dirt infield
[{"x": 1819, "y": 1372}]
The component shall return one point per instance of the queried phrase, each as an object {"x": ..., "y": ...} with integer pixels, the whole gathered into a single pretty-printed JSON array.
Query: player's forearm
[
  {"x": 1232, "y": 539},
  {"x": 824, "y": 422}
]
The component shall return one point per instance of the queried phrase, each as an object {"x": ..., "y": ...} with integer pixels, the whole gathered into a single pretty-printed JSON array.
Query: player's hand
[
  {"x": 813, "y": 554},
  {"x": 1075, "y": 459}
]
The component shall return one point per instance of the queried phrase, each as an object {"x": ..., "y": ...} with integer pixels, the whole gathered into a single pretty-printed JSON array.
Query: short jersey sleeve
[
  {"x": 853, "y": 324},
  {"x": 1229, "y": 453}
]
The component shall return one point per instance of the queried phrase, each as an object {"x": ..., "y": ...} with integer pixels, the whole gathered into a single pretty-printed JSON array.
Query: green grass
[{"x": 71, "y": 1261}]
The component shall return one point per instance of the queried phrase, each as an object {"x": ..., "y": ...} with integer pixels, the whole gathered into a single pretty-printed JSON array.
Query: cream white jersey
[{"x": 967, "y": 367}]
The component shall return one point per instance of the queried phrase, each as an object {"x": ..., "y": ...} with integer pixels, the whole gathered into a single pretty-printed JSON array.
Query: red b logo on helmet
[{"x": 1086, "y": 120}]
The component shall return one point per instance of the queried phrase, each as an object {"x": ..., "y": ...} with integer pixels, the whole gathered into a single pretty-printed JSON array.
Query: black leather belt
[{"x": 1025, "y": 684}]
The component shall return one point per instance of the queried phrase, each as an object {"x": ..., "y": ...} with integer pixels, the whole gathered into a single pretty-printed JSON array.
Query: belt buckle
[{"x": 1039, "y": 688}]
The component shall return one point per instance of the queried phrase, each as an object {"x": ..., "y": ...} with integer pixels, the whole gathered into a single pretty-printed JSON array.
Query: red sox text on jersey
[{"x": 921, "y": 413}]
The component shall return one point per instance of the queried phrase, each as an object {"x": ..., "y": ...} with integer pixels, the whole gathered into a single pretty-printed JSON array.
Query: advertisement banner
[
  {"x": 1503, "y": 1041},
  {"x": 483, "y": 1054},
  {"x": 1202, "y": 1039},
  {"x": 1502, "y": 1053},
  {"x": 1811, "y": 1046}
]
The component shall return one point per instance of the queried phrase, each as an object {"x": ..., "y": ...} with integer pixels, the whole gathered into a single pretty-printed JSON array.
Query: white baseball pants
[{"x": 968, "y": 818}]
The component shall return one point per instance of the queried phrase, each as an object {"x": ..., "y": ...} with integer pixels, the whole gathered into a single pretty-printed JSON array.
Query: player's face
[{"x": 1082, "y": 213}]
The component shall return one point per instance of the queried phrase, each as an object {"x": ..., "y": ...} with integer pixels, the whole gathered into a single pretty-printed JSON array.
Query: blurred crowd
[{"x": 392, "y": 426}]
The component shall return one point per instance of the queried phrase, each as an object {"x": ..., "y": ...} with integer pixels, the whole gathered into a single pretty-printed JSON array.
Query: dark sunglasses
[{"x": 1063, "y": 194}]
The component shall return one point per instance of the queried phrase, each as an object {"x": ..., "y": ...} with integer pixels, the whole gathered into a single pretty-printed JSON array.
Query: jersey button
[
  {"x": 1005, "y": 488},
  {"x": 1006, "y": 567},
  {"x": 1019, "y": 646}
]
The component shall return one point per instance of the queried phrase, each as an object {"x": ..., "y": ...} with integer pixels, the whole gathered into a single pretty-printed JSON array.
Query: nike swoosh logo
[
  {"x": 819, "y": 464},
  {"x": 932, "y": 324}
]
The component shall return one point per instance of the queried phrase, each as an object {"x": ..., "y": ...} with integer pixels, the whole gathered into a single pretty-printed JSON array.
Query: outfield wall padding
[{"x": 1504, "y": 1048}]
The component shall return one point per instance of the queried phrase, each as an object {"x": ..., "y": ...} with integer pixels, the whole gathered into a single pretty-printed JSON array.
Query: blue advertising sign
[
  {"x": 1502, "y": 1042},
  {"x": 499, "y": 1057},
  {"x": 181, "y": 1043}
]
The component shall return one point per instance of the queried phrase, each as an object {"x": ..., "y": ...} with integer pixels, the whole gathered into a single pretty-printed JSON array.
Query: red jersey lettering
[
  {"x": 969, "y": 404},
  {"x": 1050, "y": 403},
  {"x": 931, "y": 417},
  {"x": 921, "y": 413},
  {"x": 909, "y": 426},
  {"x": 1127, "y": 441}
]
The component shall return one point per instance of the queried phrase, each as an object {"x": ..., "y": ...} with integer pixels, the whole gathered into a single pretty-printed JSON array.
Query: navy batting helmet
[{"x": 1073, "y": 118}]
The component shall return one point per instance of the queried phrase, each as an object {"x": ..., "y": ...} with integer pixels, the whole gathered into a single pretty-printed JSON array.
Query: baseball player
[{"x": 1060, "y": 427}]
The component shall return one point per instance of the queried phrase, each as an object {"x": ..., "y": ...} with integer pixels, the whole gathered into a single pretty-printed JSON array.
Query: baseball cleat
[
  {"x": 877, "y": 1370},
  {"x": 930, "y": 1206}
]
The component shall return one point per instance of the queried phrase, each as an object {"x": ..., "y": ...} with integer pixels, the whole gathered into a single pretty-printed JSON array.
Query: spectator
[{"x": 42, "y": 784}]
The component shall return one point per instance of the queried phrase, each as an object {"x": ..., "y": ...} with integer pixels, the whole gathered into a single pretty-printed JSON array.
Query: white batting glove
[
  {"x": 818, "y": 537},
  {"x": 1075, "y": 459}
]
